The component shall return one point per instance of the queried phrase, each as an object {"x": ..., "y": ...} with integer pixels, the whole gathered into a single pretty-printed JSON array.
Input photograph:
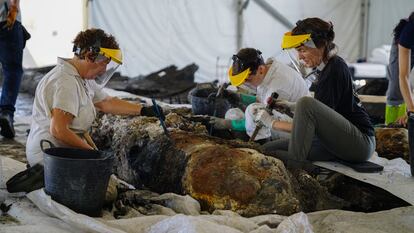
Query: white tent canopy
[{"x": 157, "y": 33}]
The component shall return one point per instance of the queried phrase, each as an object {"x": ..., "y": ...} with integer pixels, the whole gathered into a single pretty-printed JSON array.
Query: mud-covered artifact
[{"x": 220, "y": 174}]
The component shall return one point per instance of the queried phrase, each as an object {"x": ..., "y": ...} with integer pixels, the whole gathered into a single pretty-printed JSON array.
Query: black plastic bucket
[
  {"x": 77, "y": 178},
  {"x": 202, "y": 105}
]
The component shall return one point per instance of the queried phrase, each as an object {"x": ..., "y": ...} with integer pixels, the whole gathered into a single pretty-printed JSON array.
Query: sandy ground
[{"x": 15, "y": 148}]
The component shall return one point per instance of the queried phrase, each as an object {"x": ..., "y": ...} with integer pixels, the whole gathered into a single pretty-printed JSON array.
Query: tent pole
[
  {"x": 85, "y": 14},
  {"x": 239, "y": 38},
  {"x": 274, "y": 13},
  {"x": 363, "y": 52}
]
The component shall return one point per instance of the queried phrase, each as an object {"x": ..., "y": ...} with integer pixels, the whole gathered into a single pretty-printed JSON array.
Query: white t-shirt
[
  {"x": 285, "y": 81},
  {"x": 64, "y": 89}
]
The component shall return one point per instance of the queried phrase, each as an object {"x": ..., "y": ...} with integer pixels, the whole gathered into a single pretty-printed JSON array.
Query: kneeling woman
[
  {"x": 67, "y": 97},
  {"x": 333, "y": 124}
]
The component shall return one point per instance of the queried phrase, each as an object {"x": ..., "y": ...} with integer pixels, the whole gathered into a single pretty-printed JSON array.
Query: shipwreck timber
[{"x": 220, "y": 174}]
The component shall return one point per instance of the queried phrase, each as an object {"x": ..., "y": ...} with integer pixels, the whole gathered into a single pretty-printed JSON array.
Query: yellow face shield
[
  {"x": 290, "y": 41},
  {"x": 113, "y": 54},
  {"x": 112, "y": 59},
  {"x": 238, "y": 79}
]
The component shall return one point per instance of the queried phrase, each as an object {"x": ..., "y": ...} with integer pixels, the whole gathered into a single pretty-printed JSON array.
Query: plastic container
[
  {"x": 201, "y": 104},
  {"x": 77, "y": 178}
]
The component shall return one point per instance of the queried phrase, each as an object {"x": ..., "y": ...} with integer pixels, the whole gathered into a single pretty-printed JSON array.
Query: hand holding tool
[
  {"x": 218, "y": 94},
  {"x": 270, "y": 103},
  {"x": 161, "y": 117}
]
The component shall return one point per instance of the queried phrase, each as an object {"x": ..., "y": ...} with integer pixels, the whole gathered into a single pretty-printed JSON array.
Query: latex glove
[
  {"x": 264, "y": 118},
  {"x": 149, "y": 111},
  {"x": 220, "y": 123},
  {"x": 11, "y": 17}
]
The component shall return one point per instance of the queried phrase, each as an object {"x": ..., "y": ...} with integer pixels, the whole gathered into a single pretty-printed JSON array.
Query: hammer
[{"x": 269, "y": 105}]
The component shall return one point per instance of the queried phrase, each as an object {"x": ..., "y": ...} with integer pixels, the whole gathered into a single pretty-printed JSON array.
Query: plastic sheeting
[
  {"x": 174, "y": 224},
  {"x": 395, "y": 178},
  {"x": 44, "y": 215}
]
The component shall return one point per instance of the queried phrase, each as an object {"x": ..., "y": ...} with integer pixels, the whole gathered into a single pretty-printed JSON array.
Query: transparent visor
[
  {"x": 296, "y": 62},
  {"x": 111, "y": 66}
]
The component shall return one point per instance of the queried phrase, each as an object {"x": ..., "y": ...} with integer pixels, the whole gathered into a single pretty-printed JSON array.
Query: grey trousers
[{"x": 320, "y": 133}]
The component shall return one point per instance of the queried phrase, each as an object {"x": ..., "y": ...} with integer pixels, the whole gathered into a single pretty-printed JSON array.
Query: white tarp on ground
[
  {"x": 41, "y": 214},
  {"x": 395, "y": 178}
]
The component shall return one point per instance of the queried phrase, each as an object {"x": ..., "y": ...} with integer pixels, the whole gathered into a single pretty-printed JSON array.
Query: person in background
[
  {"x": 332, "y": 125},
  {"x": 68, "y": 96},
  {"x": 395, "y": 110},
  {"x": 13, "y": 38},
  {"x": 404, "y": 34},
  {"x": 249, "y": 69}
]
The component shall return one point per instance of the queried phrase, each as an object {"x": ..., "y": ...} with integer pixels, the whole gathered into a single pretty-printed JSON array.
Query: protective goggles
[{"x": 290, "y": 43}]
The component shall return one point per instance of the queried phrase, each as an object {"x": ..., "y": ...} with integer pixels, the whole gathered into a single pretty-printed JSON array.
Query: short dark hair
[
  {"x": 85, "y": 40},
  {"x": 247, "y": 58},
  {"x": 322, "y": 33},
  {"x": 399, "y": 27}
]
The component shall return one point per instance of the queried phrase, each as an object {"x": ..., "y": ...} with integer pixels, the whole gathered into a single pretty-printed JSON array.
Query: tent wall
[
  {"x": 383, "y": 17},
  {"x": 53, "y": 24},
  {"x": 157, "y": 33},
  {"x": 154, "y": 34},
  {"x": 264, "y": 32}
]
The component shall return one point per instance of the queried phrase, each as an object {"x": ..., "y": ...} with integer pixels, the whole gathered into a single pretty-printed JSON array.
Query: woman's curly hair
[{"x": 87, "y": 39}]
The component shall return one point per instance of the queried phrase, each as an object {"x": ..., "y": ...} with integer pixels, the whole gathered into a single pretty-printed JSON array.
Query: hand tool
[
  {"x": 160, "y": 116},
  {"x": 270, "y": 103}
]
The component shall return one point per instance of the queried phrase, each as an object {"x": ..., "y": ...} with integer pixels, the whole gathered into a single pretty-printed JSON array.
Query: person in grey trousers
[{"x": 333, "y": 125}]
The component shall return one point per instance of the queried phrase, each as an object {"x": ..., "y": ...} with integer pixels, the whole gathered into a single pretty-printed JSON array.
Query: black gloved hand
[
  {"x": 233, "y": 97},
  {"x": 149, "y": 111}
]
